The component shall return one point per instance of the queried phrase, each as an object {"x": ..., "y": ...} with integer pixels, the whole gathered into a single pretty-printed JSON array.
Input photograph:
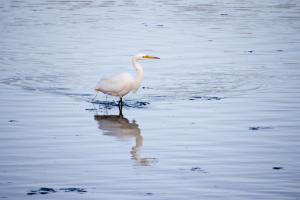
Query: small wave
[
  {"x": 127, "y": 103},
  {"x": 208, "y": 98}
]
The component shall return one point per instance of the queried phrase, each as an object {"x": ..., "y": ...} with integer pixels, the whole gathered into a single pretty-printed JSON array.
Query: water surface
[{"x": 218, "y": 116}]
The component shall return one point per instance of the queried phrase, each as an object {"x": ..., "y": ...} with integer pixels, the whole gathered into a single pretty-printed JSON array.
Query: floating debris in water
[
  {"x": 277, "y": 168},
  {"x": 195, "y": 168},
  {"x": 12, "y": 120},
  {"x": 279, "y": 50},
  {"x": 149, "y": 193},
  {"x": 80, "y": 190},
  {"x": 223, "y": 14},
  {"x": 251, "y": 51},
  {"x": 205, "y": 98},
  {"x": 42, "y": 190},
  {"x": 256, "y": 128},
  {"x": 198, "y": 169},
  {"x": 45, "y": 190}
]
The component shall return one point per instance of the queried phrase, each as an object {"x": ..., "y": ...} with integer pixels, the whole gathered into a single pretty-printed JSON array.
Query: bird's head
[{"x": 142, "y": 56}]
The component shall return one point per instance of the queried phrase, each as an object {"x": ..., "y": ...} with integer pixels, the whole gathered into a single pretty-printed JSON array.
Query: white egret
[{"x": 121, "y": 84}]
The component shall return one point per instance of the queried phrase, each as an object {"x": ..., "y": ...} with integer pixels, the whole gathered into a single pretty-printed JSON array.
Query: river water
[{"x": 217, "y": 117}]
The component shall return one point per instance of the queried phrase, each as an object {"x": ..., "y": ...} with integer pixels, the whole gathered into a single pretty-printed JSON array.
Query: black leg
[
  {"x": 121, "y": 102},
  {"x": 120, "y": 105},
  {"x": 120, "y": 112}
]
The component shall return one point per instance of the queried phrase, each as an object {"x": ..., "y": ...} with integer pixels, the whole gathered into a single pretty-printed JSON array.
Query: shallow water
[{"x": 218, "y": 116}]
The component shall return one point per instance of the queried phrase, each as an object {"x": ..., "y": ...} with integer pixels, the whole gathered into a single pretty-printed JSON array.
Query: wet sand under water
[{"x": 218, "y": 116}]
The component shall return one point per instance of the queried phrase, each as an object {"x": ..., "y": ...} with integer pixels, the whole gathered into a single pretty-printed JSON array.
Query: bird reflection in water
[{"x": 120, "y": 127}]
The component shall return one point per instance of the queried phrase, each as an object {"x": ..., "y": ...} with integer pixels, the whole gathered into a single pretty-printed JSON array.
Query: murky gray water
[{"x": 218, "y": 116}]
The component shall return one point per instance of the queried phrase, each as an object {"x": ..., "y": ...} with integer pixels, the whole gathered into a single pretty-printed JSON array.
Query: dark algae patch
[
  {"x": 195, "y": 169},
  {"x": 46, "y": 190},
  {"x": 42, "y": 190},
  {"x": 277, "y": 168},
  {"x": 79, "y": 190},
  {"x": 256, "y": 128},
  {"x": 198, "y": 169}
]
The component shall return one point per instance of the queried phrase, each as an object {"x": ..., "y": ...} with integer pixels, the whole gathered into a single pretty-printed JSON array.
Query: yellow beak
[{"x": 151, "y": 57}]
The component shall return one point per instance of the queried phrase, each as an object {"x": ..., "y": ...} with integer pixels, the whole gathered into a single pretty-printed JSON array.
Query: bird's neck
[{"x": 139, "y": 74}]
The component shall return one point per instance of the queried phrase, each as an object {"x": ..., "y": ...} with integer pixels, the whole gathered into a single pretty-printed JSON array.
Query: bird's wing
[{"x": 115, "y": 84}]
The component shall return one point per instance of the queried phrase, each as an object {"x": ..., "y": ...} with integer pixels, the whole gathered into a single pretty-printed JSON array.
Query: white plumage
[
  {"x": 121, "y": 84},
  {"x": 118, "y": 85}
]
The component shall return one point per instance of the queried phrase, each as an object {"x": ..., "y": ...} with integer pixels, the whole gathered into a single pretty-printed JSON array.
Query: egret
[{"x": 121, "y": 84}]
